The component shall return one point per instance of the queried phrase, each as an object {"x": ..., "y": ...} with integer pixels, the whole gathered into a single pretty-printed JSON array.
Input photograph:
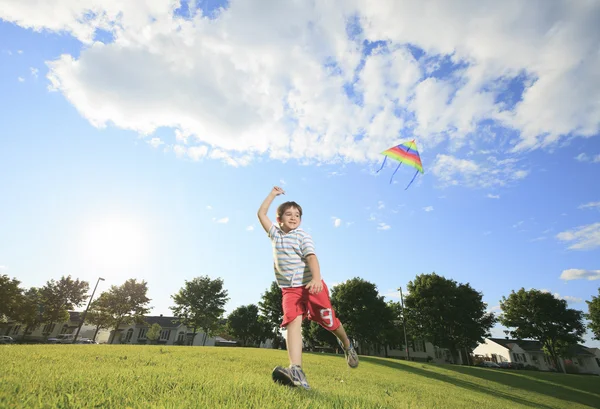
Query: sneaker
[
  {"x": 350, "y": 353},
  {"x": 292, "y": 376}
]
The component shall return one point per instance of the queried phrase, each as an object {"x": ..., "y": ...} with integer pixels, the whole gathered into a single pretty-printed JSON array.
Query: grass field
[{"x": 105, "y": 376}]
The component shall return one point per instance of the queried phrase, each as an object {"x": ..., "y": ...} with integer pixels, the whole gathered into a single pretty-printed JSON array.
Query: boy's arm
[
  {"x": 313, "y": 264},
  {"x": 264, "y": 208}
]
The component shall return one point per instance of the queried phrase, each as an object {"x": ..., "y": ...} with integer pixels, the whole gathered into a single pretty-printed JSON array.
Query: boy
[{"x": 304, "y": 293}]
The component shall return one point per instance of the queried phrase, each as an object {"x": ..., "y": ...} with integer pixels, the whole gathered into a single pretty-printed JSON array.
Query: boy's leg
[
  {"x": 321, "y": 311},
  {"x": 340, "y": 333},
  {"x": 294, "y": 341},
  {"x": 294, "y": 310}
]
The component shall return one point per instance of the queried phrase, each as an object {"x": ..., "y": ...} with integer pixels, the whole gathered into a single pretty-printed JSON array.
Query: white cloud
[
  {"x": 209, "y": 207},
  {"x": 584, "y": 157},
  {"x": 336, "y": 221},
  {"x": 223, "y": 220},
  {"x": 3, "y": 269},
  {"x": 518, "y": 224},
  {"x": 383, "y": 226},
  {"x": 34, "y": 72},
  {"x": 155, "y": 142},
  {"x": 591, "y": 205},
  {"x": 380, "y": 205},
  {"x": 21, "y": 79},
  {"x": 490, "y": 172},
  {"x": 491, "y": 196},
  {"x": 282, "y": 182},
  {"x": 569, "y": 299},
  {"x": 250, "y": 228},
  {"x": 233, "y": 85},
  {"x": 428, "y": 208},
  {"x": 584, "y": 237},
  {"x": 348, "y": 224},
  {"x": 579, "y": 274}
]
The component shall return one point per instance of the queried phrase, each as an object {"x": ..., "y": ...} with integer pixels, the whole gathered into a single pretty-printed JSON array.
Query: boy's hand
[
  {"x": 314, "y": 286},
  {"x": 277, "y": 191}
]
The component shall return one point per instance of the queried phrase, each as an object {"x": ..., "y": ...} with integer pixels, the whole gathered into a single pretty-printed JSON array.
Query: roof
[
  {"x": 536, "y": 346},
  {"x": 164, "y": 322}
]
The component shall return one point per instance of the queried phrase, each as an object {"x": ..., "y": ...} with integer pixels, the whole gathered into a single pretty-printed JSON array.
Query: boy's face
[{"x": 290, "y": 219}]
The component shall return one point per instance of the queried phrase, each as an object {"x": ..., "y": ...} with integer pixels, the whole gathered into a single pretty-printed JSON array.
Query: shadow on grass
[
  {"x": 546, "y": 386},
  {"x": 567, "y": 395}
]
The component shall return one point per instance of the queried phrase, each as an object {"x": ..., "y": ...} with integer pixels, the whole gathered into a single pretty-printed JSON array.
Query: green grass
[{"x": 105, "y": 376}]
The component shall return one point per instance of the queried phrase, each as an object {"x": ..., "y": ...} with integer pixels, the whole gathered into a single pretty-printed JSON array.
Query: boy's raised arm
[{"x": 264, "y": 208}]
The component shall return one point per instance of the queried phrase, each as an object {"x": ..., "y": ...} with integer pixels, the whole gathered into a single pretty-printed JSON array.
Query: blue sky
[{"x": 125, "y": 155}]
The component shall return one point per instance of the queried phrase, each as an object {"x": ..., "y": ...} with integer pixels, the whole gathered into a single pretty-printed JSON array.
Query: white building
[{"x": 528, "y": 352}]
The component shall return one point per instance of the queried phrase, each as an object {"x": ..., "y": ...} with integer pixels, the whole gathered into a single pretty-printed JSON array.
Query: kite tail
[
  {"x": 384, "y": 159},
  {"x": 412, "y": 180},
  {"x": 395, "y": 172}
]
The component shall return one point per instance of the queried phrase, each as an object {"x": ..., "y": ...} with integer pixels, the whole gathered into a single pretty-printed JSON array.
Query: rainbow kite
[{"x": 404, "y": 153}]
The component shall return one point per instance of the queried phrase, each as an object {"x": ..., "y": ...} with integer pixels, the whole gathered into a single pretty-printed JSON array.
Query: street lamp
[
  {"x": 86, "y": 310},
  {"x": 404, "y": 324}
]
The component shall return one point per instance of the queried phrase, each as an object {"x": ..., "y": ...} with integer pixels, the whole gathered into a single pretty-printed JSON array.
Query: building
[
  {"x": 45, "y": 331},
  {"x": 530, "y": 353}
]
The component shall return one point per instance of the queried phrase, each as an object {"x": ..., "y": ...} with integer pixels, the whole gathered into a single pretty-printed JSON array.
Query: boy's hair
[{"x": 284, "y": 206}]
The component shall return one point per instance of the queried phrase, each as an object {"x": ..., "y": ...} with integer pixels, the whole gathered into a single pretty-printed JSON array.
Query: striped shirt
[{"x": 289, "y": 255}]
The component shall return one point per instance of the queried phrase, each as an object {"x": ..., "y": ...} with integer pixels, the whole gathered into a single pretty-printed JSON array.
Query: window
[
  {"x": 64, "y": 329},
  {"x": 181, "y": 337},
  {"x": 515, "y": 357},
  {"x": 598, "y": 361},
  {"x": 129, "y": 335},
  {"x": 165, "y": 334},
  {"x": 16, "y": 329},
  {"x": 524, "y": 357},
  {"x": 48, "y": 329},
  {"x": 418, "y": 345},
  {"x": 438, "y": 353},
  {"x": 142, "y": 333}
]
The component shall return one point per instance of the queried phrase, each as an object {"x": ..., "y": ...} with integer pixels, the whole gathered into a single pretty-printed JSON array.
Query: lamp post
[
  {"x": 86, "y": 310},
  {"x": 404, "y": 324}
]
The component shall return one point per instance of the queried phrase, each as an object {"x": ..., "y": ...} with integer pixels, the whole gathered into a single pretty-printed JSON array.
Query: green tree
[
  {"x": 394, "y": 333},
  {"x": 124, "y": 304},
  {"x": 201, "y": 304},
  {"x": 97, "y": 317},
  {"x": 271, "y": 308},
  {"x": 247, "y": 326},
  {"x": 594, "y": 315},
  {"x": 363, "y": 312},
  {"x": 153, "y": 333},
  {"x": 29, "y": 311},
  {"x": 447, "y": 314},
  {"x": 541, "y": 316},
  {"x": 60, "y": 297},
  {"x": 11, "y": 295}
]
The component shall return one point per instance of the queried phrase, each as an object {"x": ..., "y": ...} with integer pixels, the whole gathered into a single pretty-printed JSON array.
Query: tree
[
  {"x": 447, "y": 314},
  {"x": 154, "y": 333},
  {"x": 124, "y": 304},
  {"x": 271, "y": 308},
  {"x": 394, "y": 333},
  {"x": 97, "y": 317},
  {"x": 363, "y": 311},
  {"x": 60, "y": 297},
  {"x": 539, "y": 315},
  {"x": 29, "y": 311},
  {"x": 11, "y": 295},
  {"x": 245, "y": 325},
  {"x": 594, "y": 315},
  {"x": 200, "y": 304}
]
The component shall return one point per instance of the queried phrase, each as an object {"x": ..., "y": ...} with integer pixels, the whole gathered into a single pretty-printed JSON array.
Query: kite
[{"x": 404, "y": 153}]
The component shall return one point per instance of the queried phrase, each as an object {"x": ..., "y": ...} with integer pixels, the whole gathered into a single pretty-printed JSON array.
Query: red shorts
[{"x": 316, "y": 307}]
